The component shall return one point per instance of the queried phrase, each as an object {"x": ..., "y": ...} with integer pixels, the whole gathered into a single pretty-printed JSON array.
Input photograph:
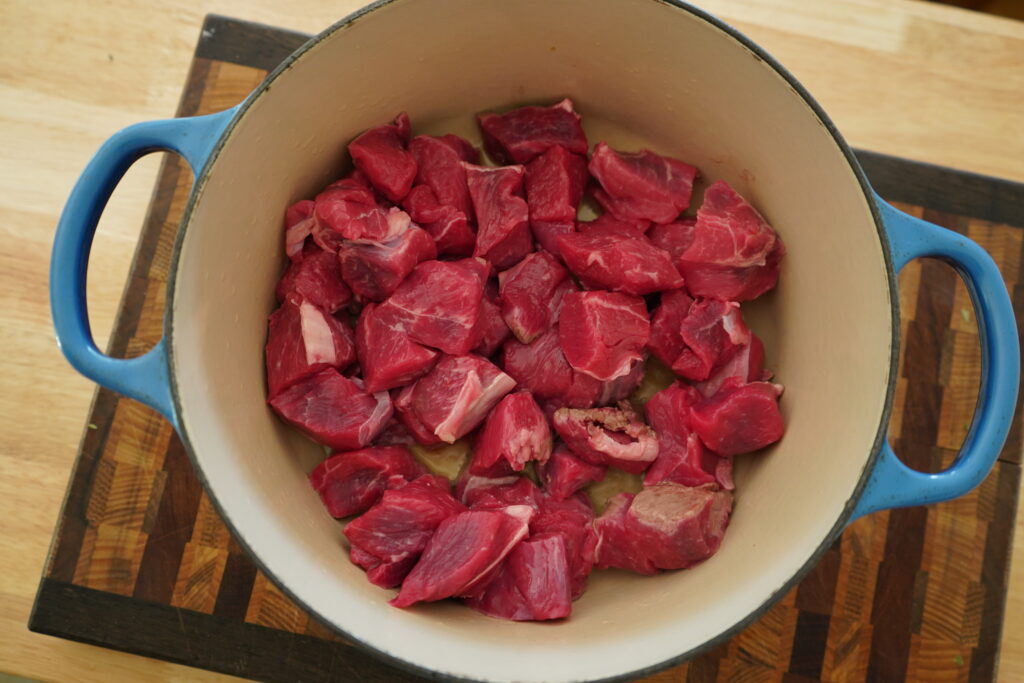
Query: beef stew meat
[{"x": 595, "y": 378}]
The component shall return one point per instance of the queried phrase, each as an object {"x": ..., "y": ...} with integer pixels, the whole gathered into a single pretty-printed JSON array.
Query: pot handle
[
  {"x": 893, "y": 484},
  {"x": 144, "y": 378}
]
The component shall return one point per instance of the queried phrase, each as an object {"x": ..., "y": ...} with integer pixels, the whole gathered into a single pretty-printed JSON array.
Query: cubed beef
[
  {"x": 389, "y": 538},
  {"x": 340, "y": 218},
  {"x": 641, "y": 185},
  {"x": 298, "y": 225},
  {"x": 739, "y": 418},
  {"x": 712, "y": 333},
  {"x": 616, "y": 545},
  {"x": 666, "y": 341},
  {"x": 447, "y": 225},
  {"x": 303, "y": 339},
  {"x": 608, "y": 436},
  {"x": 564, "y": 474},
  {"x": 541, "y": 368},
  {"x": 605, "y": 258},
  {"x": 503, "y": 219},
  {"x": 439, "y": 167},
  {"x": 532, "y": 583},
  {"x": 572, "y": 519},
  {"x": 438, "y": 304},
  {"x": 675, "y": 237},
  {"x": 735, "y": 254},
  {"x": 527, "y": 291},
  {"x": 456, "y": 395},
  {"x": 388, "y": 357},
  {"x": 334, "y": 410},
  {"x": 682, "y": 457},
  {"x": 678, "y": 526},
  {"x": 603, "y": 333},
  {"x": 522, "y": 134},
  {"x": 465, "y": 548},
  {"x": 522, "y": 491},
  {"x": 349, "y": 483},
  {"x": 316, "y": 279},
  {"x": 373, "y": 270},
  {"x": 615, "y": 390},
  {"x": 402, "y": 399},
  {"x": 747, "y": 365},
  {"x": 381, "y": 154},
  {"x": 554, "y": 187},
  {"x": 491, "y": 325},
  {"x": 608, "y": 224},
  {"x": 516, "y": 431},
  {"x": 470, "y": 488}
]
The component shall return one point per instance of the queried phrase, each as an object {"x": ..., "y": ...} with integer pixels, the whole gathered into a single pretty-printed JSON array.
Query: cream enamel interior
[{"x": 642, "y": 73}]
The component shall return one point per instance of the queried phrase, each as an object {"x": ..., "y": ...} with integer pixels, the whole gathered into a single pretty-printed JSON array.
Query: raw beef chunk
[
  {"x": 410, "y": 419},
  {"x": 503, "y": 219},
  {"x": 349, "y": 483},
  {"x": 641, "y": 185},
  {"x": 615, "y": 390},
  {"x": 387, "y": 357},
  {"x": 608, "y": 436},
  {"x": 334, "y": 410},
  {"x": 606, "y": 223},
  {"x": 522, "y": 134},
  {"x": 532, "y": 583},
  {"x": 605, "y": 258},
  {"x": 515, "y": 431},
  {"x": 740, "y": 418},
  {"x": 389, "y": 538},
  {"x": 456, "y": 395},
  {"x": 735, "y": 254},
  {"x": 616, "y": 545},
  {"x": 373, "y": 270},
  {"x": 476, "y": 488},
  {"x": 675, "y": 238},
  {"x": 554, "y": 188},
  {"x": 527, "y": 291},
  {"x": 438, "y": 305},
  {"x": 316, "y": 279},
  {"x": 353, "y": 214},
  {"x": 302, "y": 339},
  {"x": 380, "y": 153},
  {"x": 496, "y": 496},
  {"x": 667, "y": 526},
  {"x": 679, "y": 526},
  {"x": 682, "y": 457},
  {"x": 746, "y": 366},
  {"x": 666, "y": 341},
  {"x": 573, "y": 519},
  {"x": 439, "y": 167},
  {"x": 491, "y": 325},
  {"x": 712, "y": 333},
  {"x": 464, "y": 549},
  {"x": 447, "y": 225},
  {"x": 298, "y": 225},
  {"x": 564, "y": 474},
  {"x": 603, "y": 333},
  {"x": 541, "y": 368}
]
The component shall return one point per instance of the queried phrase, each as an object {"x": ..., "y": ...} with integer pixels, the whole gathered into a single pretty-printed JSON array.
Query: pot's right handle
[
  {"x": 144, "y": 378},
  {"x": 893, "y": 484}
]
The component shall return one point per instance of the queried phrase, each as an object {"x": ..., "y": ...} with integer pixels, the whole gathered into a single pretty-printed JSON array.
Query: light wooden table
[{"x": 909, "y": 78}]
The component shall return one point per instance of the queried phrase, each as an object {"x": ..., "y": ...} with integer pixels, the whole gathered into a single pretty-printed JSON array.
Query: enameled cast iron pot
[{"x": 643, "y": 73}]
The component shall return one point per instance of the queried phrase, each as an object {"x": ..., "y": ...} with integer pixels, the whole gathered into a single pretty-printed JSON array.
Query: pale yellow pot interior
[{"x": 643, "y": 74}]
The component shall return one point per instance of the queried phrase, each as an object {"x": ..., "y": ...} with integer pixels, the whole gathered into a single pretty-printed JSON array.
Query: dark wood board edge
[
  {"x": 201, "y": 640},
  {"x": 224, "y": 39}
]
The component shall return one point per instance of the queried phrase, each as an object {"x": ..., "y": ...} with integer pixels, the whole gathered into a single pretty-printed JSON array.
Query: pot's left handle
[
  {"x": 144, "y": 378},
  {"x": 893, "y": 484}
]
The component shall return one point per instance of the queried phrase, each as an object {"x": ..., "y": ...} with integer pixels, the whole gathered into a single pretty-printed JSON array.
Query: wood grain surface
[{"x": 904, "y": 78}]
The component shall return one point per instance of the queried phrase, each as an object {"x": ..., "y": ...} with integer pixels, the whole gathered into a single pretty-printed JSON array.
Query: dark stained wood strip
[
  {"x": 809, "y": 641},
  {"x": 945, "y": 189},
  {"x": 196, "y": 639},
  {"x": 247, "y": 43},
  {"x": 172, "y": 529},
  {"x": 235, "y": 587}
]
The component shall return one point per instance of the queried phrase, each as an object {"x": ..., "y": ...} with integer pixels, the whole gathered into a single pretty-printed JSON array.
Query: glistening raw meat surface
[{"x": 442, "y": 315}]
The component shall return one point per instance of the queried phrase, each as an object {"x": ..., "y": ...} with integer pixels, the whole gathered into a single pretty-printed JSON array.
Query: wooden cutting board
[{"x": 141, "y": 562}]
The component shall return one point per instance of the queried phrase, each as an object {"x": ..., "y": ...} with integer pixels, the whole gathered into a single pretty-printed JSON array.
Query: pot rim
[{"x": 880, "y": 436}]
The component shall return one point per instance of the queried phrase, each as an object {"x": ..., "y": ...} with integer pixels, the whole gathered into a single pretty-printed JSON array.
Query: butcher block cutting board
[{"x": 141, "y": 562}]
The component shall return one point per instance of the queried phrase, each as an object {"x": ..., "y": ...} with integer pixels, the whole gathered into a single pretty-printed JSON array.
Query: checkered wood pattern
[{"x": 913, "y": 594}]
